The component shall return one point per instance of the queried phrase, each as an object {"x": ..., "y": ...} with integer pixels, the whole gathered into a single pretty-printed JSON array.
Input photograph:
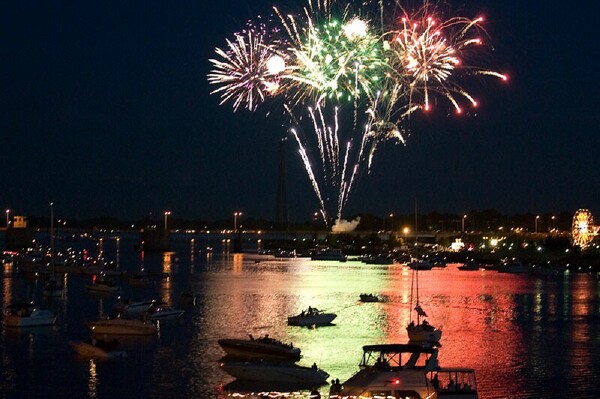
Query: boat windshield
[
  {"x": 453, "y": 380},
  {"x": 395, "y": 357}
]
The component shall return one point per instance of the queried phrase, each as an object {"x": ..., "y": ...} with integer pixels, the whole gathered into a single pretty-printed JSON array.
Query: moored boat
[
  {"x": 98, "y": 349},
  {"x": 27, "y": 315},
  {"x": 276, "y": 372},
  {"x": 102, "y": 283},
  {"x": 470, "y": 265},
  {"x": 260, "y": 348},
  {"x": 329, "y": 254},
  {"x": 162, "y": 311},
  {"x": 311, "y": 317},
  {"x": 122, "y": 327}
]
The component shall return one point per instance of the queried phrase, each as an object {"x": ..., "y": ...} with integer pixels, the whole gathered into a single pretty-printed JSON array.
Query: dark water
[{"x": 526, "y": 337}]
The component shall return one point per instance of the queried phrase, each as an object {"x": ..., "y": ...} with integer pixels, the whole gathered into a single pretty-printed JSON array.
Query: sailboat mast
[{"x": 52, "y": 235}]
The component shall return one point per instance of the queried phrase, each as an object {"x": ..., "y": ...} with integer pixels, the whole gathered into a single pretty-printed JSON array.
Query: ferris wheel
[{"x": 583, "y": 231}]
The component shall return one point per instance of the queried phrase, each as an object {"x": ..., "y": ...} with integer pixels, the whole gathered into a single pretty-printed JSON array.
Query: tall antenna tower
[{"x": 281, "y": 215}]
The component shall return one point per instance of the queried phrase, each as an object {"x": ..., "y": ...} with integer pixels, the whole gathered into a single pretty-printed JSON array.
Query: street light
[
  {"x": 235, "y": 216},
  {"x": 7, "y": 218},
  {"x": 405, "y": 230},
  {"x": 536, "y": 223},
  {"x": 392, "y": 220},
  {"x": 463, "y": 223},
  {"x": 553, "y": 223},
  {"x": 167, "y": 213}
]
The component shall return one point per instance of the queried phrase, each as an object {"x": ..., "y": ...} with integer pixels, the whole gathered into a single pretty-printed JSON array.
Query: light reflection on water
[{"x": 525, "y": 337}]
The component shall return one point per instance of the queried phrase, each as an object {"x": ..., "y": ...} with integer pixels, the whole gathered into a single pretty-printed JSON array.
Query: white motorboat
[
  {"x": 102, "y": 283},
  {"x": 398, "y": 371},
  {"x": 329, "y": 254},
  {"x": 276, "y": 372},
  {"x": 133, "y": 309},
  {"x": 122, "y": 327},
  {"x": 98, "y": 349},
  {"x": 27, "y": 315},
  {"x": 162, "y": 311},
  {"x": 311, "y": 317},
  {"x": 263, "y": 348}
]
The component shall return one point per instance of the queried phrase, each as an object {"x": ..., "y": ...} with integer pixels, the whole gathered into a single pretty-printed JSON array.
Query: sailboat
[
  {"x": 53, "y": 287},
  {"x": 420, "y": 332}
]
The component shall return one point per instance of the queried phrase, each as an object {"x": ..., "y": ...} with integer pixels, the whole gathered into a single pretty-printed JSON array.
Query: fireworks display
[{"x": 348, "y": 75}]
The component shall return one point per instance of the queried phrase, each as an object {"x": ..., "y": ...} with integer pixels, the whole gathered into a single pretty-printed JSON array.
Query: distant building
[{"x": 18, "y": 235}]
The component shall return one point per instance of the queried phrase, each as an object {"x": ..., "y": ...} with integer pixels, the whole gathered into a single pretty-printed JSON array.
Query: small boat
[
  {"x": 98, "y": 349},
  {"x": 369, "y": 298},
  {"x": 187, "y": 298},
  {"x": 27, "y": 315},
  {"x": 470, "y": 265},
  {"x": 162, "y": 311},
  {"x": 329, "y": 254},
  {"x": 263, "y": 348},
  {"x": 134, "y": 309},
  {"x": 311, "y": 317},
  {"x": 420, "y": 265},
  {"x": 53, "y": 288},
  {"x": 378, "y": 260},
  {"x": 546, "y": 270},
  {"x": 122, "y": 327},
  {"x": 513, "y": 266},
  {"x": 139, "y": 278},
  {"x": 276, "y": 372},
  {"x": 423, "y": 333},
  {"x": 102, "y": 283}
]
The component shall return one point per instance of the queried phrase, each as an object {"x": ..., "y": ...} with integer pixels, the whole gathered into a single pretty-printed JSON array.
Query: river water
[{"x": 526, "y": 337}]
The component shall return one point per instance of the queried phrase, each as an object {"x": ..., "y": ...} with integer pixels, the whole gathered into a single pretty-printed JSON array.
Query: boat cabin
[
  {"x": 455, "y": 382},
  {"x": 394, "y": 357}
]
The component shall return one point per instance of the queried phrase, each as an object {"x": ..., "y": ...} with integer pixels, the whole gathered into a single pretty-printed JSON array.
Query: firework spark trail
[
  {"x": 311, "y": 175},
  {"x": 331, "y": 54}
]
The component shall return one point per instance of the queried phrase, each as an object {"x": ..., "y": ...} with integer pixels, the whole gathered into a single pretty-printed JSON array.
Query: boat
[
  {"x": 311, "y": 317},
  {"x": 439, "y": 262},
  {"x": 27, "y": 315},
  {"x": 187, "y": 298},
  {"x": 98, "y": 349},
  {"x": 162, "y": 311},
  {"x": 470, "y": 265},
  {"x": 546, "y": 270},
  {"x": 122, "y": 327},
  {"x": 329, "y": 254},
  {"x": 264, "y": 348},
  {"x": 392, "y": 371},
  {"x": 276, "y": 372},
  {"x": 513, "y": 266},
  {"x": 378, "y": 260},
  {"x": 53, "y": 288},
  {"x": 395, "y": 371},
  {"x": 133, "y": 309},
  {"x": 369, "y": 298},
  {"x": 103, "y": 283},
  {"x": 420, "y": 265},
  {"x": 421, "y": 332}
]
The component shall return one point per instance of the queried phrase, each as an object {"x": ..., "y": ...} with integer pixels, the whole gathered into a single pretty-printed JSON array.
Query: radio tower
[{"x": 281, "y": 216}]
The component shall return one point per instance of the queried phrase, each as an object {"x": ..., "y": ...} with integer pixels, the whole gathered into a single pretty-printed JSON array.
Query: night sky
[{"x": 105, "y": 110}]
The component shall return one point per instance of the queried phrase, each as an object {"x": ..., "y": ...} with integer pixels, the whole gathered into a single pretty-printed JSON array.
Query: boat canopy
[{"x": 398, "y": 348}]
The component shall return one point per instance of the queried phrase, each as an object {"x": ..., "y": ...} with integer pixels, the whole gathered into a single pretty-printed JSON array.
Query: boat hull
[
  {"x": 43, "y": 319},
  {"x": 122, "y": 327},
  {"x": 244, "y": 349},
  {"x": 90, "y": 351},
  {"x": 256, "y": 371},
  {"x": 318, "y": 320}
]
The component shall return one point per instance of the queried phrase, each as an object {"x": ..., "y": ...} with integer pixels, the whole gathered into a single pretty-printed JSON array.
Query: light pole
[
  {"x": 392, "y": 221},
  {"x": 463, "y": 223},
  {"x": 7, "y": 218},
  {"x": 553, "y": 223},
  {"x": 235, "y": 216},
  {"x": 406, "y": 230},
  {"x": 167, "y": 213},
  {"x": 536, "y": 223}
]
